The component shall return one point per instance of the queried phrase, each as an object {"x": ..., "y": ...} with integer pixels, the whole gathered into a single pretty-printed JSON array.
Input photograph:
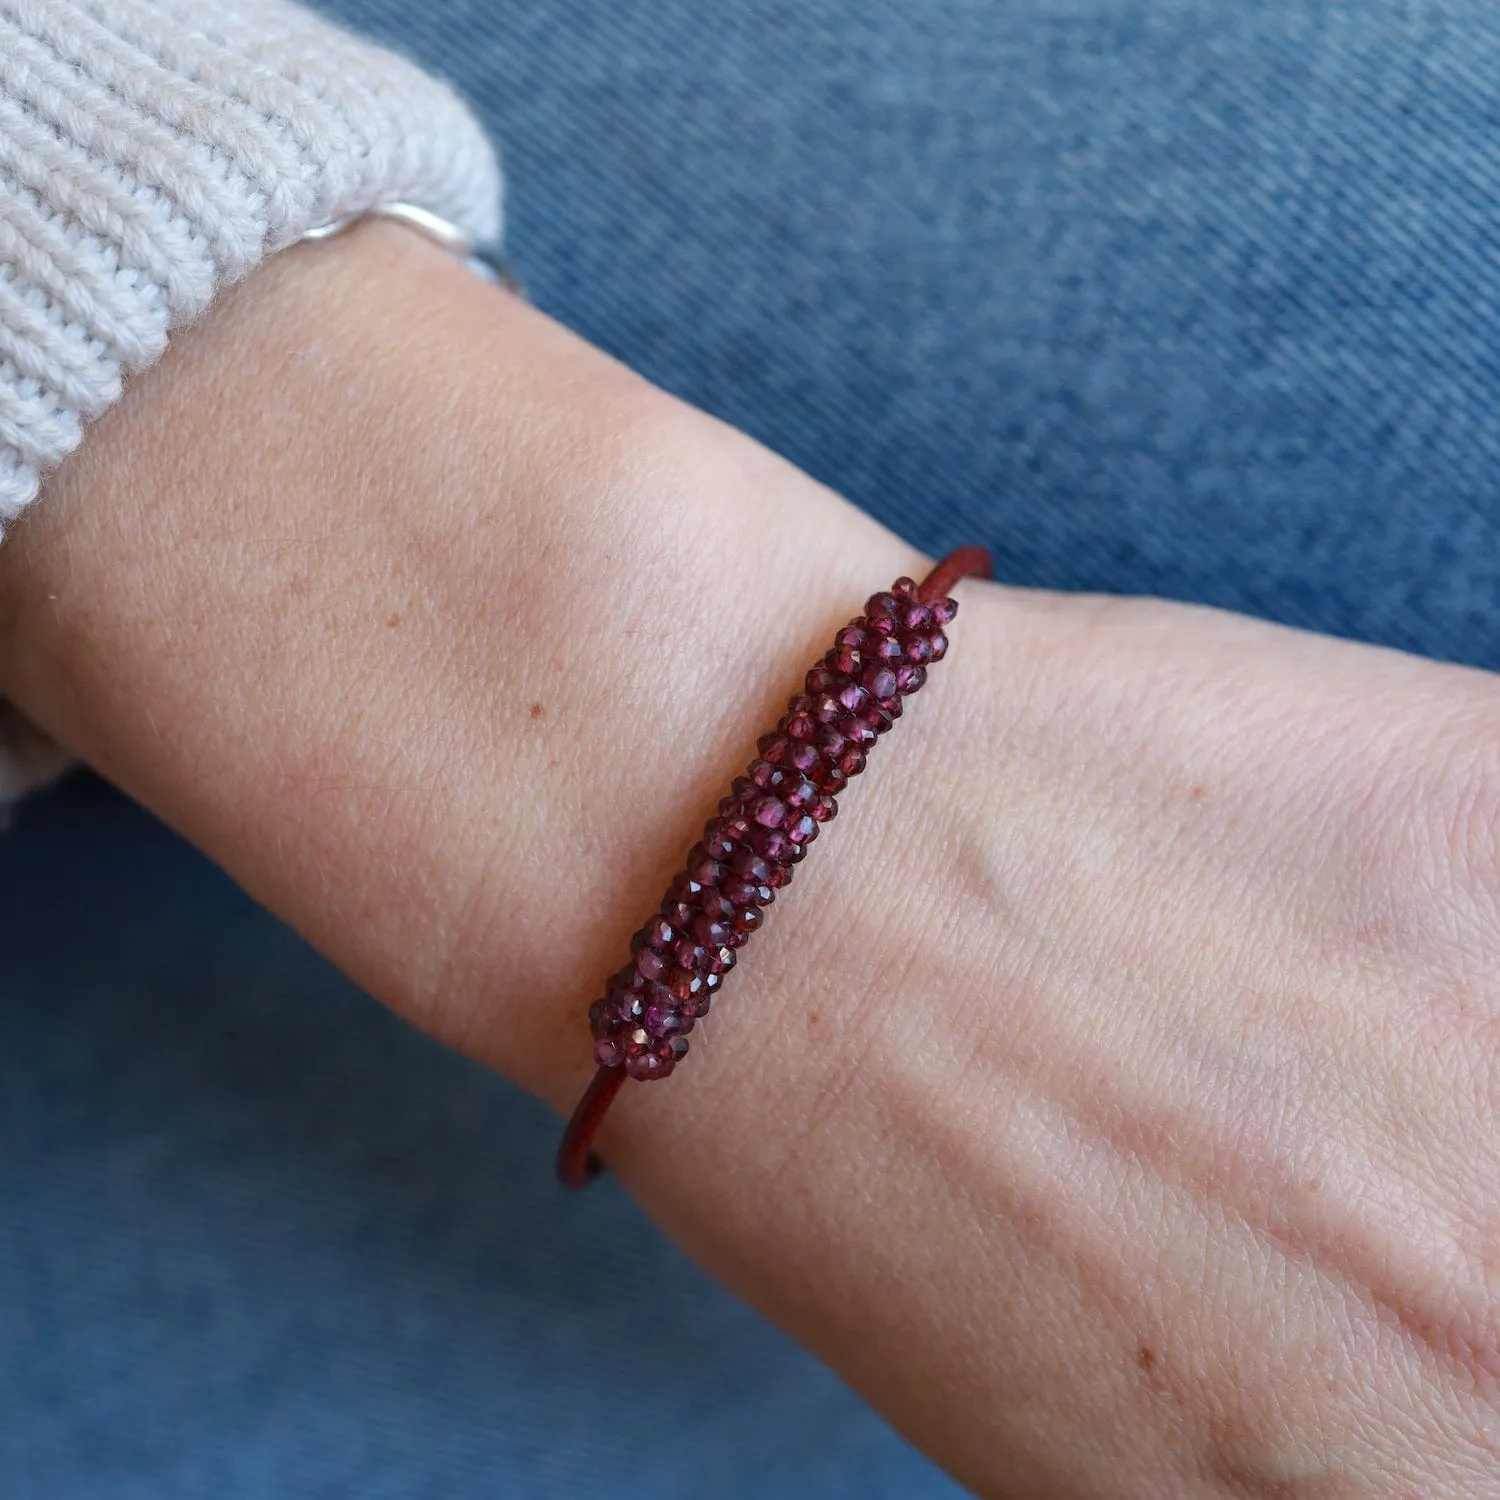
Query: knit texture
[{"x": 153, "y": 151}]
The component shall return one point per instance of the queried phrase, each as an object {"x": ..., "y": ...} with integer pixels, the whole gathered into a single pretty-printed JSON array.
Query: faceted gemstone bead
[
  {"x": 748, "y": 918},
  {"x": 713, "y": 904},
  {"x": 768, "y": 812},
  {"x": 603, "y": 1021},
  {"x": 880, "y": 682},
  {"x": 772, "y": 747},
  {"x": 844, "y": 661},
  {"x": 750, "y": 865},
  {"x": 770, "y": 843},
  {"x": 824, "y": 809},
  {"x": 881, "y": 606},
  {"x": 917, "y": 649},
  {"x": 721, "y": 959},
  {"x": 852, "y": 761},
  {"x": 661, "y": 1022},
  {"x": 739, "y": 892},
  {"x": 710, "y": 932},
  {"x": 851, "y": 698},
  {"x": 939, "y": 643},
  {"x": 802, "y": 727},
  {"x": 678, "y": 913},
  {"x": 687, "y": 953},
  {"x": 824, "y": 680},
  {"x": 802, "y": 829},
  {"x": 889, "y": 650},
  {"x": 909, "y": 679},
  {"x": 905, "y": 587},
  {"x": 830, "y": 778},
  {"x": 703, "y": 867},
  {"x": 798, "y": 792},
  {"x": 804, "y": 757},
  {"x": 718, "y": 841},
  {"x": 657, "y": 933},
  {"x": 645, "y": 1066},
  {"x": 943, "y": 610},
  {"x": 685, "y": 983},
  {"x": 609, "y": 1052},
  {"x": 851, "y": 638},
  {"x": 916, "y": 617},
  {"x": 650, "y": 964}
]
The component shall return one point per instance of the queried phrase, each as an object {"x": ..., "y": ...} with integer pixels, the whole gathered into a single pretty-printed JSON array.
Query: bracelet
[
  {"x": 761, "y": 833},
  {"x": 486, "y": 259}
]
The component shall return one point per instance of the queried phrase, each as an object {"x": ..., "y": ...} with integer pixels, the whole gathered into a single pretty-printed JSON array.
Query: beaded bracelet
[{"x": 761, "y": 833}]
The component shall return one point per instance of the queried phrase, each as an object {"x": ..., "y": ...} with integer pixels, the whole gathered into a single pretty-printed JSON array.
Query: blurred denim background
[{"x": 1150, "y": 295}]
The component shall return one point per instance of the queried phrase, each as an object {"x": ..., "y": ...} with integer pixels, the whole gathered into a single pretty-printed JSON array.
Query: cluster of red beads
[{"x": 763, "y": 830}]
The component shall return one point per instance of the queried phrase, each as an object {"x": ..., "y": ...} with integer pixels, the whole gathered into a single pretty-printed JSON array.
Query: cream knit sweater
[{"x": 151, "y": 152}]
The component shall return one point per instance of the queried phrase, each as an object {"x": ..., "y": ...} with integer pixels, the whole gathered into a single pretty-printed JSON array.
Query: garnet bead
[
  {"x": 768, "y": 812},
  {"x": 770, "y": 843},
  {"x": 804, "y": 757},
  {"x": 644, "y": 1066},
  {"x": 661, "y": 1022},
  {"x": 751, "y": 866},
  {"x": 772, "y": 747},
  {"x": 802, "y": 829},
  {"x": 714, "y": 905}
]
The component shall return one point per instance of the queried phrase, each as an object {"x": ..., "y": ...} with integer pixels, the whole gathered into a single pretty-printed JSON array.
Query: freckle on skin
[
  {"x": 537, "y": 710},
  {"x": 1197, "y": 794},
  {"x": 1151, "y": 1375},
  {"x": 394, "y": 621}
]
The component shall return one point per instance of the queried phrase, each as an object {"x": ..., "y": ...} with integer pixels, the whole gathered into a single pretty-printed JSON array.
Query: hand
[{"x": 1109, "y": 1098}]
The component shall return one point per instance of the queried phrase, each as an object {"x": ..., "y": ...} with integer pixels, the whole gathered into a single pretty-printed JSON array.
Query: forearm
[
  {"x": 438, "y": 595},
  {"x": 1047, "y": 1106}
]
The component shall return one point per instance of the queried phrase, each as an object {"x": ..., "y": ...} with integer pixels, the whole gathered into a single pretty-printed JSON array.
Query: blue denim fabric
[{"x": 1160, "y": 296}]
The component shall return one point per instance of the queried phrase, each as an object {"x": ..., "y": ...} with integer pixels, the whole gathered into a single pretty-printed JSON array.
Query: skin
[{"x": 1111, "y": 1098}]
